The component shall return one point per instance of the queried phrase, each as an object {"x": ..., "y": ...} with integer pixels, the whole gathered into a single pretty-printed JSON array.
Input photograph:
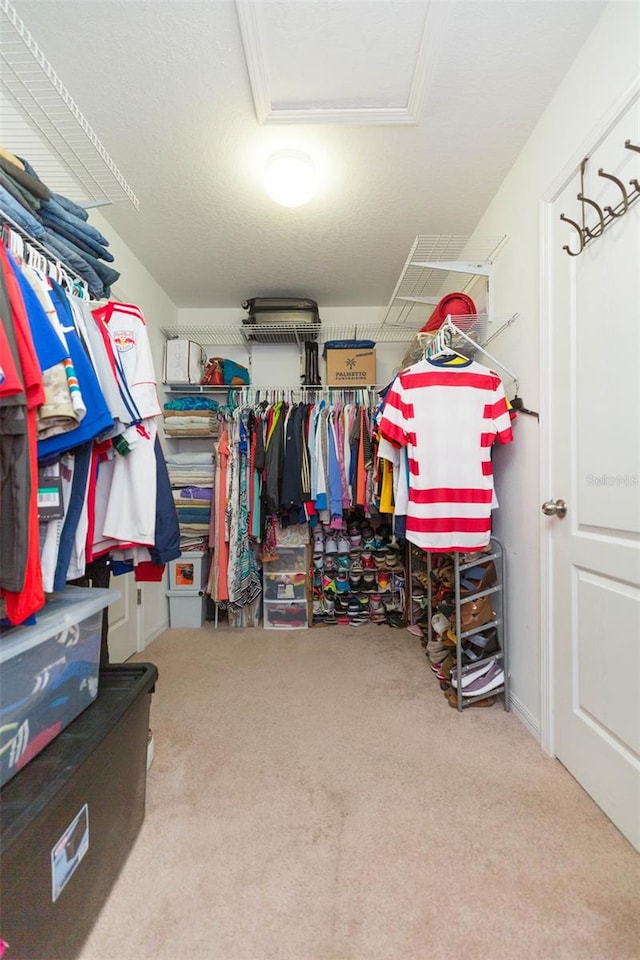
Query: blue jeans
[
  {"x": 75, "y": 262},
  {"x": 70, "y": 206},
  {"x": 53, "y": 208},
  {"x": 19, "y": 215},
  {"x": 107, "y": 274},
  {"x": 75, "y": 235}
]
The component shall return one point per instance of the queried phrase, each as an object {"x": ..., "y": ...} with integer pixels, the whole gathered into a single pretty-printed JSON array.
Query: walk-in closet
[{"x": 319, "y": 510}]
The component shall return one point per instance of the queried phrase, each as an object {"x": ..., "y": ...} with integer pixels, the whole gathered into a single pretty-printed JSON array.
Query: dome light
[{"x": 290, "y": 178}]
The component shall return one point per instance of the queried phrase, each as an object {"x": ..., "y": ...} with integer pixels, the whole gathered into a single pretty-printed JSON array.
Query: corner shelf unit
[{"x": 437, "y": 265}]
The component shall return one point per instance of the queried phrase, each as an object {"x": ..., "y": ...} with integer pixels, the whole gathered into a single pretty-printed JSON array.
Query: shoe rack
[
  {"x": 358, "y": 577},
  {"x": 471, "y": 597}
]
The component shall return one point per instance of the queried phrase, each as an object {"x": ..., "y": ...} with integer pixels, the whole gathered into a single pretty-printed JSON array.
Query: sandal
[
  {"x": 477, "y": 579},
  {"x": 446, "y": 576}
]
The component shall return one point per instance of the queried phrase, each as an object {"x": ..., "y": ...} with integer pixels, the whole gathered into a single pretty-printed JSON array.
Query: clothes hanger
[
  {"x": 440, "y": 348},
  {"x": 450, "y": 326}
]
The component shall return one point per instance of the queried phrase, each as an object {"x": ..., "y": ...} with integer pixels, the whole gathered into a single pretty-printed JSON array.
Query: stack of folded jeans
[{"x": 56, "y": 222}]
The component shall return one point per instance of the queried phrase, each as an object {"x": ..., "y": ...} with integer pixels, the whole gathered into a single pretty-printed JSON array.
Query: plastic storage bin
[
  {"x": 189, "y": 571},
  {"x": 49, "y": 673},
  {"x": 187, "y": 608},
  {"x": 285, "y": 615},
  {"x": 70, "y": 818},
  {"x": 288, "y": 559},
  {"x": 285, "y": 586}
]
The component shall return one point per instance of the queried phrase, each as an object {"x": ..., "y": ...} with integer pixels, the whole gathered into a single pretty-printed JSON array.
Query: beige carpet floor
[{"x": 314, "y": 797}]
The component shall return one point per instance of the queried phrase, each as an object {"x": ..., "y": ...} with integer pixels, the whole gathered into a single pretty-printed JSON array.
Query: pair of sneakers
[
  {"x": 357, "y": 612},
  {"x": 377, "y": 610},
  {"x": 342, "y": 581},
  {"x": 384, "y": 580},
  {"x": 337, "y": 543}
]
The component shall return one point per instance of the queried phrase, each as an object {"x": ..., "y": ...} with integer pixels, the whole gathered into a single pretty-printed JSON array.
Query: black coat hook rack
[{"x": 605, "y": 215}]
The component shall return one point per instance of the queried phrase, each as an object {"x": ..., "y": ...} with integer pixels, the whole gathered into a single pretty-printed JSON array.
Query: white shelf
[
  {"x": 437, "y": 265},
  {"x": 217, "y": 335},
  {"x": 198, "y": 388},
  {"x": 41, "y": 121}
]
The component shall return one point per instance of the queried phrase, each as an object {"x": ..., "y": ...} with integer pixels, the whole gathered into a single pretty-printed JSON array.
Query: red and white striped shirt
[{"x": 448, "y": 417}]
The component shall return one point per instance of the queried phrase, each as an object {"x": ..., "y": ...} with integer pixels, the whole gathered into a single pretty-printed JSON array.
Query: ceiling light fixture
[{"x": 290, "y": 178}]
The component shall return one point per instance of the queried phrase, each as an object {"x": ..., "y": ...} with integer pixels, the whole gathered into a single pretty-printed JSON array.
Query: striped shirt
[{"x": 448, "y": 418}]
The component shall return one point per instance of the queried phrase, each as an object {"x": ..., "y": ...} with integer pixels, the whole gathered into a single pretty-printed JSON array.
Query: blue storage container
[{"x": 48, "y": 673}]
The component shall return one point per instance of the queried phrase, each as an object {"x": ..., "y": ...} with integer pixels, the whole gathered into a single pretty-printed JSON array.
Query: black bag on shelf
[{"x": 283, "y": 319}]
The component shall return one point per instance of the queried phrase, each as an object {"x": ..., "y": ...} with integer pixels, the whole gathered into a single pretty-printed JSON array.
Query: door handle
[{"x": 555, "y": 508}]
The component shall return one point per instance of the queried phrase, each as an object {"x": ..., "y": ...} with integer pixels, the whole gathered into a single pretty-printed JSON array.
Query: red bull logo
[{"x": 124, "y": 340}]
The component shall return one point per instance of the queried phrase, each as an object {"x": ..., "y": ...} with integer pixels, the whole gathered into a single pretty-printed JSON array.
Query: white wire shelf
[
  {"x": 436, "y": 265},
  {"x": 33, "y": 100},
  {"x": 275, "y": 333},
  {"x": 253, "y": 388}
]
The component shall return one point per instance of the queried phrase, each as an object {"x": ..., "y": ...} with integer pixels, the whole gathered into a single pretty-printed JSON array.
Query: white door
[
  {"x": 123, "y": 619},
  {"x": 594, "y": 465}
]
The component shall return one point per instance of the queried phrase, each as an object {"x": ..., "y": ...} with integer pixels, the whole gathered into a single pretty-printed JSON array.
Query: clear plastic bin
[
  {"x": 285, "y": 615},
  {"x": 49, "y": 673},
  {"x": 288, "y": 560}
]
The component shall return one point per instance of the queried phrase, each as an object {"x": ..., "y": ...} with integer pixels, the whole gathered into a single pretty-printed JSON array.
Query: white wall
[
  {"x": 604, "y": 69},
  {"x": 138, "y": 286}
]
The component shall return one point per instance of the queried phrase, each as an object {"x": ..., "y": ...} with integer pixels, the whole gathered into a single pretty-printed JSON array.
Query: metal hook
[
  {"x": 631, "y": 146},
  {"x": 590, "y": 233},
  {"x": 580, "y": 234},
  {"x": 625, "y": 199}
]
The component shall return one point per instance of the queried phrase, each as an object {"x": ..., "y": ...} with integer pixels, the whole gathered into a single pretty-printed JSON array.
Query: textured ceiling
[{"x": 168, "y": 88}]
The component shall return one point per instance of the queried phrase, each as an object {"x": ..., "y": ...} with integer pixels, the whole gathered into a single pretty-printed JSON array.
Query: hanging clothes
[
  {"x": 448, "y": 418},
  {"x": 23, "y": 463}
]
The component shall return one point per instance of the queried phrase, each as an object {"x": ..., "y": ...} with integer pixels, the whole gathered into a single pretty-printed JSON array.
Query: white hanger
[
  {"x": 16, "y": 244},
  {"x": 450, "y": 327},
  {"x": 54, "y": 271},
  {"x": 440, "y": 346}
]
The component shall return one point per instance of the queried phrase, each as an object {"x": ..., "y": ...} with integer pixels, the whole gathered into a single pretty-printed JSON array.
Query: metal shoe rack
[{"x": 498, "y": 602}]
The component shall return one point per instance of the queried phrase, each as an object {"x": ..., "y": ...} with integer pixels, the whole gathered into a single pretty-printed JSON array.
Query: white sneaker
[
  {"x": 344, "y": 546},
  {"x": 331, "y": 545},
  {"x": 440, "y": 623}
]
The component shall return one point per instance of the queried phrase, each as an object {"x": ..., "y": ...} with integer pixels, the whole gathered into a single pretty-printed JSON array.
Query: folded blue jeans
[
  {"x": 75, "y": 262},
  {"x": 19, "y": 214},
  {"x": 107, "y": 274},
  {"x": 70, "y": 206},
  {"x": 71, "y": 232},
  {"x": 55, "y": 209}
]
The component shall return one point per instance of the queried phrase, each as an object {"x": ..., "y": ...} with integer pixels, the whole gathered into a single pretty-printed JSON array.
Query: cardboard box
[
  {"x": 353, "y": 367},
  {"x": 184, "y": 362}
]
